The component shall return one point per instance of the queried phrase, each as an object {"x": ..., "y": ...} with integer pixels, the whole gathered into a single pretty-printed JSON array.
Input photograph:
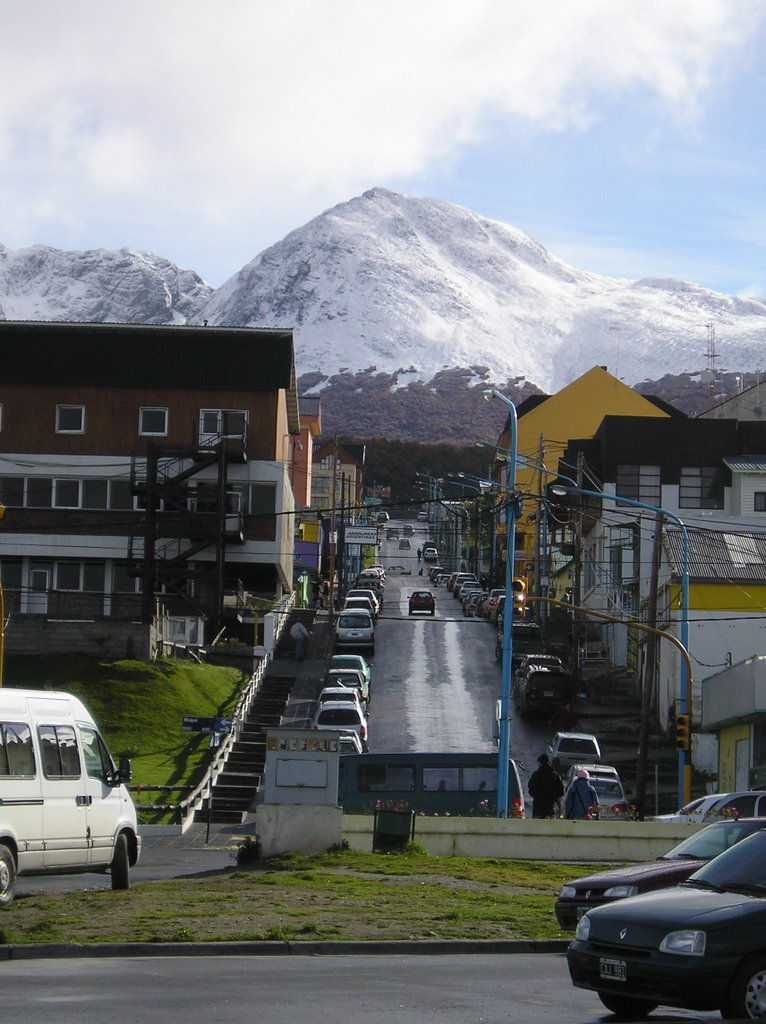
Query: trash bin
[{"x": 392, "y": 830}]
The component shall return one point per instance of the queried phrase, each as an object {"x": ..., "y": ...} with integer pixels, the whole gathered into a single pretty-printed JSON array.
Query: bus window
[
  {"x": 441, "y": 780},
  {"x": 381, "y": 778},
  {"x": 483, "y": 779}
]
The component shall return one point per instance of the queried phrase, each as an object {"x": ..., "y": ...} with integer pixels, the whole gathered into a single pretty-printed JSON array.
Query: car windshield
[
  {"x": 569, "y": 745},
  {"x": 338, "y": 716},
  {"x": 740, "y": 868},
  {"x": 608, "y": 790},
  {"x": 710, "y": 841},
  {"x": 354, "y": 622}
]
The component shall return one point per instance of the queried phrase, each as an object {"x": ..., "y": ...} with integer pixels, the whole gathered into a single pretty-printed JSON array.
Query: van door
[
  {"x": 107, "y": 802},
  {"x": 65, "y": 798},
  {"x": 21, "y": 802}
]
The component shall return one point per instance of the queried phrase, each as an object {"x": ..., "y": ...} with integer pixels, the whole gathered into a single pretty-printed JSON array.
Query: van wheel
[
  {"x": 7, "y": 876},
  {"x": 121, "y": 863}
]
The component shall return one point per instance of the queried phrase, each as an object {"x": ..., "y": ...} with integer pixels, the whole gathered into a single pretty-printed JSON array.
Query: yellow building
[{"x": 546, "y": 423}]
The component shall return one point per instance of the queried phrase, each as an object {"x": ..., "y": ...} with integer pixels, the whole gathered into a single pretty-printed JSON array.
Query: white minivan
[{"x": 64, "y": 807}]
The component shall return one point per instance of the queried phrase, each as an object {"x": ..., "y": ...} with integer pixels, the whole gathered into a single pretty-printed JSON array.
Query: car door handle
[{"x": 84, "y": 801}]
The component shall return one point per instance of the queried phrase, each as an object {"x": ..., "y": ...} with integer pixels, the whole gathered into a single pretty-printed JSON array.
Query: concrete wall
[
  {"x": 532, "y": 839},
  {"x": 103, "y": 638},
  {"x": 287, "y": 828}
]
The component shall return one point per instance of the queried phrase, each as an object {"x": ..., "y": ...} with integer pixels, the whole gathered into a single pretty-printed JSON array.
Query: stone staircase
[{"x": 235, "y": 788}]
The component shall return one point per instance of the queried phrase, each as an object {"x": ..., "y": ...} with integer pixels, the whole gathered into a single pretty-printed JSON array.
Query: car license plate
[
  {"x": 614, "y": 970},
  {"x": 354, "y": 632},
  {"x": 548, "y": 693}
]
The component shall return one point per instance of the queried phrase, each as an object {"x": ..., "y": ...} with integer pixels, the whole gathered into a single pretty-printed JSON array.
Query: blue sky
[{"x": 626, "y": 138}]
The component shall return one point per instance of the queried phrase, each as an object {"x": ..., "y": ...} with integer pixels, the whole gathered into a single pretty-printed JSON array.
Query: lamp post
[
  {"x": 504, "y": 746},
  {"x": 684, "y": 764}
]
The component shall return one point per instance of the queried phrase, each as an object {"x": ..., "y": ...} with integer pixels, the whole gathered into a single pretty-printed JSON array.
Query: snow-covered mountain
[{"x": 412, "y": 285}]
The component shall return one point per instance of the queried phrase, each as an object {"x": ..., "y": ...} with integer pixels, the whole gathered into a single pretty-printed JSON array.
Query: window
[
  {"x": 70, "y": 419},
  {"x": 759, "y": 501},
  {"x": 700, "y": 487},
  {"x": 123, "y": 583},
  {"x": 39, "y": 492},
  {"x": 94, "y": 493},
  {"x": 153, "y": 421},
  {"x": 263, "y": 499},
  {"x": 98, "y": 763},
  {"x": 120, "y": 495},
  {"x": 226, "y": 422},
  {"x": 66, "y": 493},
  {"x": 88, "y": 576},
  {"x": 61, "y": 758},
  {"x": 639, "y": 483},
  {"x": 381, "y": 778},
  {"x": 17, "y": 755},
  {"x": 12, "y": 491},
  {"x": 441, "y": 780}
]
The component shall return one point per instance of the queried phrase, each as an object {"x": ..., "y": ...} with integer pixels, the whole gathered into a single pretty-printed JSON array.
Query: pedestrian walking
[
  {"x": 546, "y": 789},
  {"x": 582, "y": 798},
  {"x": 300, "y": 635},
  {"x": 420, "y": 554}
]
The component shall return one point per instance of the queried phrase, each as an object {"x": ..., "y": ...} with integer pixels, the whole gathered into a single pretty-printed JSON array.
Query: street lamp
[
  {"x": 683, "y": 681},
  {"x": 511, "y": 504}
]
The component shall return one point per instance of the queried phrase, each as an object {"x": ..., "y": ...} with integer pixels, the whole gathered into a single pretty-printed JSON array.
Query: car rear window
[
  {"x": 574, "y": 746},
  {"x": 338, "y": 716},
  {"x": 357, "y": 621}
]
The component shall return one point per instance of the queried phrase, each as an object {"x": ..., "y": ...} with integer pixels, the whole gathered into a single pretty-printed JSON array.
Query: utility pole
[{"x": 650, "y": 663}]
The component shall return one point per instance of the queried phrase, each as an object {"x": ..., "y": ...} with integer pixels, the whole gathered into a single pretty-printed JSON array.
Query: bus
[{"x": 439, "y": 784}]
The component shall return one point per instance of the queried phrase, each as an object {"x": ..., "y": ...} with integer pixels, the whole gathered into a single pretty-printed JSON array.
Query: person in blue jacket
[{"x": 582, "y": 799}]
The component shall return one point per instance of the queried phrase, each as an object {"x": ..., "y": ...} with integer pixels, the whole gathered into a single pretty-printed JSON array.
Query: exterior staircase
[{"x": 235, "y": 788}]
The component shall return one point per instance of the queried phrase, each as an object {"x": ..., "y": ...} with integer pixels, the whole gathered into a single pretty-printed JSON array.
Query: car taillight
[
  {"x": 619, "y": 808},
  {"x": 363, "y": 732}
]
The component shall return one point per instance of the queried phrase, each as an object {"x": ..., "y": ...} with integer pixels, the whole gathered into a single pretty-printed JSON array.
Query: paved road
[{"x": 478, "y": 989}]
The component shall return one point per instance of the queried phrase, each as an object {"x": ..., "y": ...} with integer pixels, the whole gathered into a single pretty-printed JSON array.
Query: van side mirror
[{"x": 125, "y": 770}]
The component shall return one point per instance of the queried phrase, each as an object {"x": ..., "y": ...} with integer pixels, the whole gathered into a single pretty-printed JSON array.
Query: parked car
[
  {"x": 570, "y": 748},
  {"x": 430, "y": 553},
  {"x": 460, "y": 577},
  {"x": 341, "y": 695},
  {"x": 583, "y": 894},
  {"x": 349, "y": 678},
  {"x": 352, "y": 604},
  {"x": 605, "y": 779},
  {"x": 355, "y": 629},
  {"x": 462, "y": 588},
  {"x": 342, "y": 716},
  {"x": 354, "y": 661},
  {"x": 743, "y": 804},
  {"x": 471, "y": 602},
  {"x": 440, "y": 579},
  {"x": 349, "y": 743},
  {"x": 698, "y": 945},
  {"x": 398, "y": 570},
  {"x": 540, "y": 683},
  {"x": 435, "y": 570},
  {"x": 494, "y": 596},
  {"x": 422, "y": 601},
  {"x": 368, "y": 592},
  {"x": 526, "y": 638},
  {"x": 405, "y": 544}
]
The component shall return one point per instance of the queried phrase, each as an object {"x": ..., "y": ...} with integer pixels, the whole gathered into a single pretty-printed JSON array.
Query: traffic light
[
  {"x": 519, "y": 596},
  {"x": 682, "y": 736}
]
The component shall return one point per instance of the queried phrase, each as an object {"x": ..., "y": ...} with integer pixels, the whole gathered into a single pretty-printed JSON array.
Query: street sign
[
  {"x": 195, "y": 723},
  {"x": 361, "y": 535}
]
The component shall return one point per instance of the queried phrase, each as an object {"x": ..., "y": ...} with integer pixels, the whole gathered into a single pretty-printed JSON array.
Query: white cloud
[{"x": 228, "y": 112}]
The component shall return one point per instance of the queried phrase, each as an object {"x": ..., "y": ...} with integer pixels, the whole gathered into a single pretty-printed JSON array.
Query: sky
[{"x": 627, "y": 138}]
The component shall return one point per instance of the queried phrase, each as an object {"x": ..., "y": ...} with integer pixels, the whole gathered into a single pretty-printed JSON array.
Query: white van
[{"x": 64, "y": 807}]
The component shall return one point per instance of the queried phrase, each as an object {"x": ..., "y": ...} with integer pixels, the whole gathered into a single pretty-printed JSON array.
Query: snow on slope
[
  {"x": 408, "y": 284},
  {"x": 41, "y": 283},
  {"x": 396, "y": 282}
]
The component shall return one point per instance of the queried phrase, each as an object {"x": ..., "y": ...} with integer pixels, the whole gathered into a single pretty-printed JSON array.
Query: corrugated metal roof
[
  {"x": 745, "y": 463},
  {"x": 719, "y": 554}
]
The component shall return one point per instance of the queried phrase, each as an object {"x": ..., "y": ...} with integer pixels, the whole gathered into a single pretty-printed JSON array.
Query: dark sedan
[
  {"x": 699, "y": 945},
  {"x": 583, "y": 894},
  {"x": 422, "y": 601}
]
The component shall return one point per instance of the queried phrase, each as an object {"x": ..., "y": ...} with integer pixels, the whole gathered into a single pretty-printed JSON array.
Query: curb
[{"x": 106, "y": 950}]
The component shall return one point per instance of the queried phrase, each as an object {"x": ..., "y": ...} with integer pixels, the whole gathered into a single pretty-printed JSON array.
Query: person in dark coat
[
  {"x": 546, "y": 789},
  {"x": 582, "y": 798}
]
